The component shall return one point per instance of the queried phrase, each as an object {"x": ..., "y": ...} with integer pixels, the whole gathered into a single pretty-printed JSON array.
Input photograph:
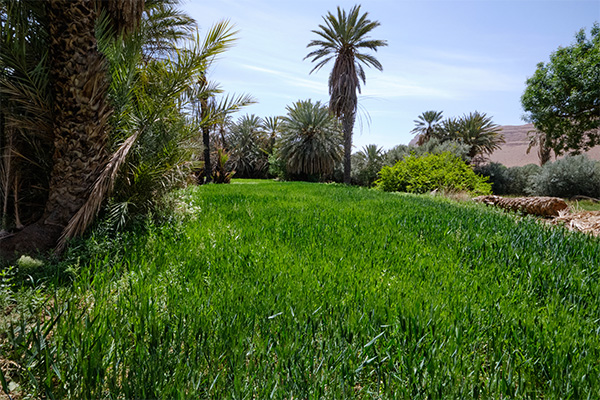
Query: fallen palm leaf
[{"x": 586, "y": 221}]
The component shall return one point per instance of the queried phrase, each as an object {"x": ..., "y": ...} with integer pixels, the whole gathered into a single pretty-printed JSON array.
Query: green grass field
[{"x": 298, "y": 290}]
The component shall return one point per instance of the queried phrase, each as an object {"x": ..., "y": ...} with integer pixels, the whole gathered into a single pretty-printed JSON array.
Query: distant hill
[{"x": 514, "y": 151}]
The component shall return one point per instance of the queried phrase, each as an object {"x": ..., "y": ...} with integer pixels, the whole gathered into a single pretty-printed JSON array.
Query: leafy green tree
[
  {"x": 561, "y": 98},
  {"x": 434, "y": 146},
  {"x": 310, "y": 143},
  {"x": 343, "y": 38},
  {"x": 427, "y": 126}
]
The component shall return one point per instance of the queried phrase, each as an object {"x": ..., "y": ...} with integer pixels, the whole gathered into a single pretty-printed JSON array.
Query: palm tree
[
  {"x": 366, "y": 164},
  {"x": 370, "y": 153},
  {"x": 81, "y": 172},
  {"x": 70, "y": 88},
  {"x": 272, "y": 128},
  {"x": 475, "y": 130},
  {"x": 310, "y": 142},
  {"x": 160, "y": 144},
  {"x": 247, "y": 140},
  {"x": 537, "y": 138},
  {"x": 25, "y": 123},
  {"x": 426, "y": 126},
  {"x": 343, "y": 37}
]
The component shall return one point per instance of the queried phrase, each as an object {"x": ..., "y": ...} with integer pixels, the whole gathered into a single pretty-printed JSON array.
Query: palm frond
[{"x": 102, "y": 187}]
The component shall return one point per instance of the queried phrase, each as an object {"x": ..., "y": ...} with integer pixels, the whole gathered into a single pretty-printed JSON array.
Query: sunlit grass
[
  {"x": 296, "y": 290},
  {"x": 584, "y": 205}
]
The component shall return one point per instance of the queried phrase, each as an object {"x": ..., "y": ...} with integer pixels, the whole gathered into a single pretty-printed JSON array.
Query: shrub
[
  {"x": 443, "y": 171},
  {"x": 498, "y": 175},
  {"x": 570, "y": 176},
  {"x": 519, "y": 178},
  {"x": 513, "y": 180}
]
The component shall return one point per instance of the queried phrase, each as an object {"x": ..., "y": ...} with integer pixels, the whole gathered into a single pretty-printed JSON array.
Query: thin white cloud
[
  {"x": 392, "y": 86},
  {"x": 289, "y": 78}
]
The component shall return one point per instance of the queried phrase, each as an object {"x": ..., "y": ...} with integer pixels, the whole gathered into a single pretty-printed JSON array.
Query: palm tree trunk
[
  {"x": 206, "y": 141},
  {"x": 347, "y": 126},
  {"x": 81, "y": 111},
  {"x": 80, "y": 125}
]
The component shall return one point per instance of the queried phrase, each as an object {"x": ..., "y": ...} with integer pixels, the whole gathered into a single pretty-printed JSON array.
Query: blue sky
[{"x": 453, "y": 56}]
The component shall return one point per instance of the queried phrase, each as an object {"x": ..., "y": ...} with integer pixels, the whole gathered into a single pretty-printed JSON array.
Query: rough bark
[
  {"x": 541, "y": 206},
  {"x": 124, "y": 14},
  {"x": 206, "y": 141},
  {"x": 347, "y": 126},
  {"x": 81, "y": 112}
]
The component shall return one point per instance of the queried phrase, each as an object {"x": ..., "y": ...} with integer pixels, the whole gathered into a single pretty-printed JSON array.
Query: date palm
[
  {"x": 475, "y": 130},
  {"x": 366, "y": 164},
  {"x": 247, "y": 140},
  {"x": 343, "y": 39},
  {"x": 426, "y": 126},
  {"x": 310, "y": 142},
  {"x": 272, "y": 128}
]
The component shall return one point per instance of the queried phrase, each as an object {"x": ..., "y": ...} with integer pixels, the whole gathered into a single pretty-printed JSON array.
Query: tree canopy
[{"x": 562, "y": 98}]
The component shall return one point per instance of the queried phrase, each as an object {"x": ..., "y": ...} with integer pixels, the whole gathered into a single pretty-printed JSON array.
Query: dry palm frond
[
  {"x": 542, "y": 206},
  {"x": 587, "y": 222},
  {"x": 102, "y": 187}
]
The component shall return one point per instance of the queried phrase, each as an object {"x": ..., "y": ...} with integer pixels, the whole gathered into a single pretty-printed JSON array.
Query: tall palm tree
[
  {"x": 343, "y": 37},
  {"x": 426, "y": 126},
  {"x": 208, "y": 111},
  {"x": 310, "y": 142},
  {"x": 160, "y": 144}
]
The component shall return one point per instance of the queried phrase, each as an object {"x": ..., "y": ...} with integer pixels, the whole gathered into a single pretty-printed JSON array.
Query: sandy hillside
[{"x": 514, "y": 151}]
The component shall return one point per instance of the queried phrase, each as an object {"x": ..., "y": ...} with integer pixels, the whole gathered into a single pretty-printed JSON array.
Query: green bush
[
  {"x": 443, "y": 171},
  {"x": 570, "y": 176},
  {"x": 520, "y": 178},
  {"x": 513, "y": 180},
  {"x": 498, "y": 175}
]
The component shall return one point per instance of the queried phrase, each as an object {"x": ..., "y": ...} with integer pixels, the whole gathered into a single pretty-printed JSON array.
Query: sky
[{"x": 444, "y": 55}]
